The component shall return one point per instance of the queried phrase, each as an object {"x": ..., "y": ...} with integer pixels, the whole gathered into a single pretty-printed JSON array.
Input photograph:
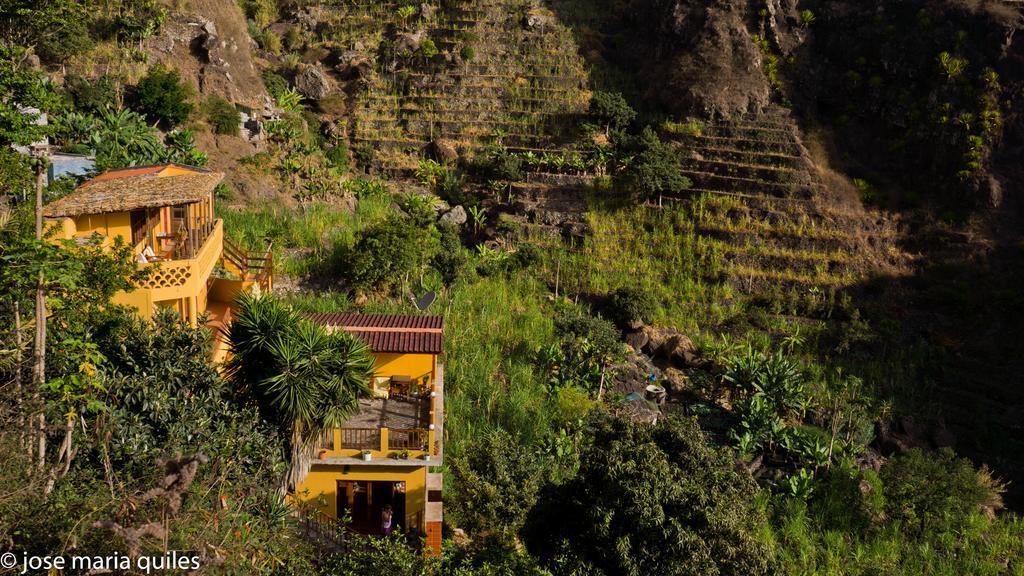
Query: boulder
[
  {"x": 675, "y": 381},
  {"x": 679, "y": 350},
  {"x": 671, "y": 346},
  {"x": 536, "y": 20},
  {"x": 313, "y": 83},
  {"x": 444, "y": 151},
  {"x": 705, "y": 60},
  {"x": 637, "y": 340},
  {"x": 456, "y": 216},
  {"x": 426, "y": 11},
  {"x": 408, "y": 43}
]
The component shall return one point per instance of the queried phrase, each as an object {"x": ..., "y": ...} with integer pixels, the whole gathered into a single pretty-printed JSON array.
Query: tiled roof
[{"x": 389, "y": 332}]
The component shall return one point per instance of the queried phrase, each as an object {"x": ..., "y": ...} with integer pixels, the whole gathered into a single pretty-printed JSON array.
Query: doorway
[{"x": 365, "y": 502}]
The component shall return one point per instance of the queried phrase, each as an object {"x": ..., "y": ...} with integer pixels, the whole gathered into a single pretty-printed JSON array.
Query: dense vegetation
[{"x": 772, "y": 455}]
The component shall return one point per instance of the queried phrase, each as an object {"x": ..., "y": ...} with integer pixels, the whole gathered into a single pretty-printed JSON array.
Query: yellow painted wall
[
  {"x": 412, "y": 365},
  {"x": 323, "y": 478},
  {"x": 107, "y": 225}
]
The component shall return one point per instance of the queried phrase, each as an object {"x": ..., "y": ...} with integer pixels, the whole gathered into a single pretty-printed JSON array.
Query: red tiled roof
[
  {"x": 389, "y": 332},
  {"x": 138, "y": 171}
]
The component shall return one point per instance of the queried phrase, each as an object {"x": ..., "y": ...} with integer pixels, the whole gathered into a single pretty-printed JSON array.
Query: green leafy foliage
[
  {"x": 390, "y": 555},
  {"x": 611, "y": 111},
  {"x": 303, "y": 379},
  {"x": 222, "y": 115},
  {"x": 926, "y": 491},
  {"x": 387, "y": 253},
  {"x": 91, "y": 95},
  {"x": 162, "y": 97},
  {"x": 22, "y": 87},
  {"x": 653, "y": 167},
  {"x": 630, "y": 304},
  {"x": 650, "y": 499},
  {"x": 498, "y": 484}
]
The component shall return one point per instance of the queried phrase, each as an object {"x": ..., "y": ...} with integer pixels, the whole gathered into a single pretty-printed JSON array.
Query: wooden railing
[
  {"x": 360, "y": 439},
  {"x": 256, "y": 267},
  {"x": 411, "y": 439}
]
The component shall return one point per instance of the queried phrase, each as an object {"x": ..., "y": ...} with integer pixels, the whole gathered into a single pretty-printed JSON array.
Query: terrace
[{"x": 398, "y": 429}]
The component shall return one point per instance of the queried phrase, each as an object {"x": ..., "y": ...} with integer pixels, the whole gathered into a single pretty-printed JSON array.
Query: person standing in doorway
[{"x": 385, "y": 520}]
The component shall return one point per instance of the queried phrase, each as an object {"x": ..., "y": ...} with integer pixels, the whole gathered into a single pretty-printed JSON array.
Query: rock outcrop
[
  {"x": 702, "y": 59},
  {"x": 313, "y": 83}
]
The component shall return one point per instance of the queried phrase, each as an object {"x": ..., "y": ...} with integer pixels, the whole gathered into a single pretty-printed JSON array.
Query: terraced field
[
  {"x": 758, "y": 196},
  {"x": 503, "y": 76}
]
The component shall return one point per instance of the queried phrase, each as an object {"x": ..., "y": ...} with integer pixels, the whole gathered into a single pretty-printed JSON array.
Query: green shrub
[
  {"x": 611, "y": 110},
  {"x": 162, "y": 97},
  {"x": 388, "y": 253},
  {"x": 647, "y": 498},
  {"x": 91, "y": 94},
  {"x": 428, "y": 49},
  {"x": 261, "y": 12},
  {"x": 419, "y": 208},
  {"x": 363, "y": 153},
  {"x": 930, "y": 490},
  {"x": 467, "y": 53},
  {"x": 269, "y": 41},
  {"x": 850, "y": 500},
  {"x": 222, "y": 116},
  {"x": 275, "y": 83},
  {"x": 574, "y": 323},
  {"x": 630, "y": 304},
  {"x": 337, "y": 156},
  {"x": 292, "y": 39},
  {"x": 452, "y": 260},
  {"x": 655, "y": 167},
  {"x": 497, "y": 484}
]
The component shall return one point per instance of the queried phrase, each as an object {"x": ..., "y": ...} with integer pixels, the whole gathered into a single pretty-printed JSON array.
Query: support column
[{"x": 193, "y": 311}]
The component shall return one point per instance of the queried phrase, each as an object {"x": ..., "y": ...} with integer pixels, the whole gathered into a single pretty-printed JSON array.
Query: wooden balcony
[{"x": 172, "y": 279}]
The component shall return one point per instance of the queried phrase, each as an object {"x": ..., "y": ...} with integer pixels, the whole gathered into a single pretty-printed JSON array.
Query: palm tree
[{"x": 304, "y": 379}]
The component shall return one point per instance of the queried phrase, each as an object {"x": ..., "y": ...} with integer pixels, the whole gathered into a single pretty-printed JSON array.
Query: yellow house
[
  {"x": 166, "y": 214},
  {"x": 382, "y": 456}
]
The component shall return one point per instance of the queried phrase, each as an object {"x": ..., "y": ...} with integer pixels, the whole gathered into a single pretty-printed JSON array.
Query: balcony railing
[
  {"x": 394, "y": 443},
  {"x": 176, "y": 275},
  {"x": 412, "y": 439},
  {"x": 360, "y": 438}
]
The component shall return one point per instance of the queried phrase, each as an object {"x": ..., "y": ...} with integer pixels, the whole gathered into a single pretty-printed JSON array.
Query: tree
[
  {"x": 21, "y": 87},
  {"x": 611, "y": 110},
  {"x": 304, "y": 379},
  {"x": 389, "y": 252},
  {"x": 654, "y": 168},
  {"x": 650, "y": 500},
  {"x": 930, "y": 490},
  {"x": 56, "y": 29},
  {"x": 631, "y": 304},
  {"x": 162, "y": 97},
  {"x": 496, "y": 485}
]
